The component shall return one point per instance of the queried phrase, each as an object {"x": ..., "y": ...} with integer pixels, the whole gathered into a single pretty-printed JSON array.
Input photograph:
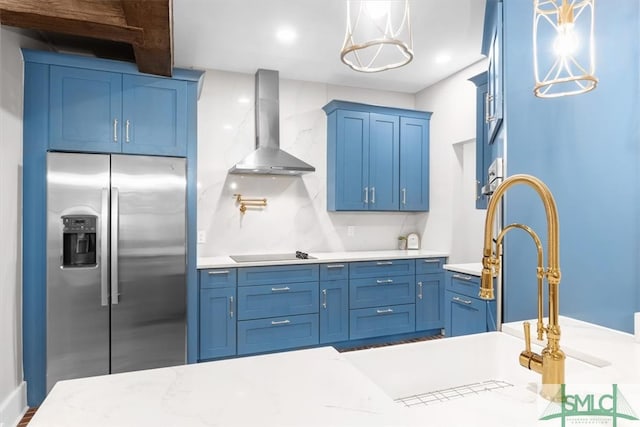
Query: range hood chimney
[{"x": 268, "y": 158}]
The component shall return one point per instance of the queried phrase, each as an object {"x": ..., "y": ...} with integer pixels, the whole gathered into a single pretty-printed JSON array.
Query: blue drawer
[
  {"x": 256, "y": 302},
  {"x": 396, "y": 267},
  {"x": 334, "y": 271},
  {"x": 379, "y": 321},
  {"x": 383, "y": 291},
  {"x": 217, "y": 278},
  {"x": 464, "y": 315},
  {"x": 277, "y": 274},
  {"x": 256, "y": 336},
  {"x": 464, "y": 284},
  {"x": 429, "y": 265}
]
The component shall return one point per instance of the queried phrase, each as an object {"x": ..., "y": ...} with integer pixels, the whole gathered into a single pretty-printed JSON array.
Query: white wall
[
  {"x": 11, "y": 93},
  {"x": 453, "y": 223},
  {"x": 296, "y": 215}
]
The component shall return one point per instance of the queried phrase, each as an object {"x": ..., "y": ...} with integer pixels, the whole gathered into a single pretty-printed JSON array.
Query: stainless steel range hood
[{"x": 268, "y": 158}]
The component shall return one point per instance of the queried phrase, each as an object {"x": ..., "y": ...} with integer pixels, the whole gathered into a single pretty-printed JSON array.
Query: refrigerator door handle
[
  {"x": 114, "y": 245},
  {"x": 104, "y": 248}
]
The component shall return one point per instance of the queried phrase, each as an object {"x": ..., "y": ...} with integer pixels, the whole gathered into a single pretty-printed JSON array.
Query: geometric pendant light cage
[
  {"x": 378, "y": 35},
  {"x": 563, "y": 47}
]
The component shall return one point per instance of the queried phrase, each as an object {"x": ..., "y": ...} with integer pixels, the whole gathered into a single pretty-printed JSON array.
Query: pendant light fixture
[
  {"x": 378, "y": 35},
  {"x": 563, "y": 47}
]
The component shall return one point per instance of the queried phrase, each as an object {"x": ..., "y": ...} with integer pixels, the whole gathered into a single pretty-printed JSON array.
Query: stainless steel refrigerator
[{"x": 116, "y": 264}]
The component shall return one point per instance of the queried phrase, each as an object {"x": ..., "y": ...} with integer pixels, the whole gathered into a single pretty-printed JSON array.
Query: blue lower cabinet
[
  {"x": 380, "y": 321},
  {"x": 255, "y": 302},
  {"x": 334, "y": 311},
  {"x": 464, "y": 314},
  {"x": 383, "y": 290},
  {"x": 217, "y": 323},
  {"x": 429, "y": 301},
  {"x": 277, "y": 333}
]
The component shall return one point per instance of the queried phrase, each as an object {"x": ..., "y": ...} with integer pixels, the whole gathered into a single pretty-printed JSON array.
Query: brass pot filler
[{"x": 550, "y": 363}]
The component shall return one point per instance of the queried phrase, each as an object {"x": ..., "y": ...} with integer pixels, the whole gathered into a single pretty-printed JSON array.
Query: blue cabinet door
[
  {"x": 384, "y": 174},
  {"x": 334, "y": 311},
  {"x": 155, "y": 116},
  {"x": 85, "y": 110},
  {"x": 414, "y": 164},
  {"x": 352, "y": 161},
  {"x": 277, "y": 333},
  {"x": 380, "y": 321},
  {"x": 495, "y": 93},
  {"x": 217, "y": 323},
  {"x": 429, "y": 302},
  {"x": 464, "y": 314}
]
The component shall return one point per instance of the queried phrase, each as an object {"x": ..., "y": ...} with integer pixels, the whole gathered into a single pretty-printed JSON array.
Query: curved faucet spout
[{"x": 551, "y": 362}]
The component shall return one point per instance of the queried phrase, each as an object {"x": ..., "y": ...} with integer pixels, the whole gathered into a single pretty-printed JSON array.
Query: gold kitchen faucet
[{"x": 550, "y": 363}]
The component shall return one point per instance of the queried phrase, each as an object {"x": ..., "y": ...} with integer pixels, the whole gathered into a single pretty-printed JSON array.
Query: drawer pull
[
  {"x": 219, "y": 272},
  {"x": 388, "y": 310},
  {"x": 419, "y": 290},
  {"x": 335, "y": 266},
  {"x": 231, "y": 307},
  {"x": 462, "y": 277},
  {"x": 384, "y": 263},
  {"x": 384, "y": 281},
  {"x": 432, "y": 261},
  {"x": 280, "y": 322},
  {"x": 283, "y": 289},
  {"x": 463, "y": 301},
  {"x": 324, "y": 298}
]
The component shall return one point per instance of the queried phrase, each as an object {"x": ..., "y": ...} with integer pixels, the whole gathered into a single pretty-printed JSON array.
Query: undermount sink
[{"x": 269, "y": 257}]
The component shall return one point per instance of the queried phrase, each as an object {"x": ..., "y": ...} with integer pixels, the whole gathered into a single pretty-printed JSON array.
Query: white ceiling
[{"x": 239, "y": 35}]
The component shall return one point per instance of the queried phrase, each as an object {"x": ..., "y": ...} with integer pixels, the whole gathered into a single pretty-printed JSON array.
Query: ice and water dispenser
[{"x": 79, "y": 240}]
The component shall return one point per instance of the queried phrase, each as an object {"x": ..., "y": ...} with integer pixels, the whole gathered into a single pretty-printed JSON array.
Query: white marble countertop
[
  {"x": 324, "y": 257},
  {"x": 472, "y": 268},
  {"x": 321, "y": 387}
]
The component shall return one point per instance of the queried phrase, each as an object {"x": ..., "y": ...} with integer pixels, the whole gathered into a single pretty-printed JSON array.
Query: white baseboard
[{"x": 14, "y": 406}]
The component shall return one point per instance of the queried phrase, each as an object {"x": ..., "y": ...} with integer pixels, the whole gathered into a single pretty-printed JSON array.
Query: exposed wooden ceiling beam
[
  {"x": 144, "y": 24},
  {"x": 155, "y": 55}
]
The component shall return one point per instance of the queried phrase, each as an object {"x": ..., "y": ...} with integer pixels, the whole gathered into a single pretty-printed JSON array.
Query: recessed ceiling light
[
  {"x": 442, "y": 58},
  {"x": 243, "y": 100},
  {"x": 286, "y": 35},
  {"x": 227, "y": 127}
]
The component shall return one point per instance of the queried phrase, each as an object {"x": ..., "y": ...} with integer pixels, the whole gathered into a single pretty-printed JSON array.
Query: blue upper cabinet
[
  {"x": 414, "y": 164},
  {"x": 85, "y": 110},
  {"x": 103, "y": 106},
  {"x": 155, "y": 116},
  {"x": 492, "y": 46},
  {"x": 377, "y": 158}
]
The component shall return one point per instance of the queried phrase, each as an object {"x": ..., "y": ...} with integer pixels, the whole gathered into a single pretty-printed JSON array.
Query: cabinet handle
[
  {"x": 463, "y": 301},
  {"x": 384, "y": 263},
  {"x": 461, "y": 277},
  {"x": 419, "y": 290},
  {"x": 388, "y": 310},
  {"x": 477, "y": 190},
  {"x": 280, "y": 322},
  {"x": 335, "y": 266},
  {"x": 432, "y": 261},
  {"x": 404, "y": 196},
  {"x": 488, "y": 99},
  {"x": 366, "y": 195},
  {"x": 373, "y": 195},
  {"x": 219, "y": 272},
  {"x": 384, "y": 281},
  {"x": 115, "y": 130},
  {"x": 324, "y": 298},
  {"x": 231, "y": 307},
  {"x": 284, "y": 289},
  {"x": 126, "y": 130}
]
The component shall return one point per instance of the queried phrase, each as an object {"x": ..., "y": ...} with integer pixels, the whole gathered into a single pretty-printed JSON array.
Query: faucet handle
[{"x": 527, "y": 336}]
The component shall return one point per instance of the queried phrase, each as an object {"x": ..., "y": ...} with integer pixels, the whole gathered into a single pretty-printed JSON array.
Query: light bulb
[
  {"x": 377, "y": 8},
  {"x": 566, "y": 42}
]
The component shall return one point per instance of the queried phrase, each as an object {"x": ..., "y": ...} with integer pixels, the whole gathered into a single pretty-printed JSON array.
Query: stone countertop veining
[
  {"x": 472, "y": 268},
  {"x": 323, "y": 257},
  {"x": 321, "y": 387}
]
